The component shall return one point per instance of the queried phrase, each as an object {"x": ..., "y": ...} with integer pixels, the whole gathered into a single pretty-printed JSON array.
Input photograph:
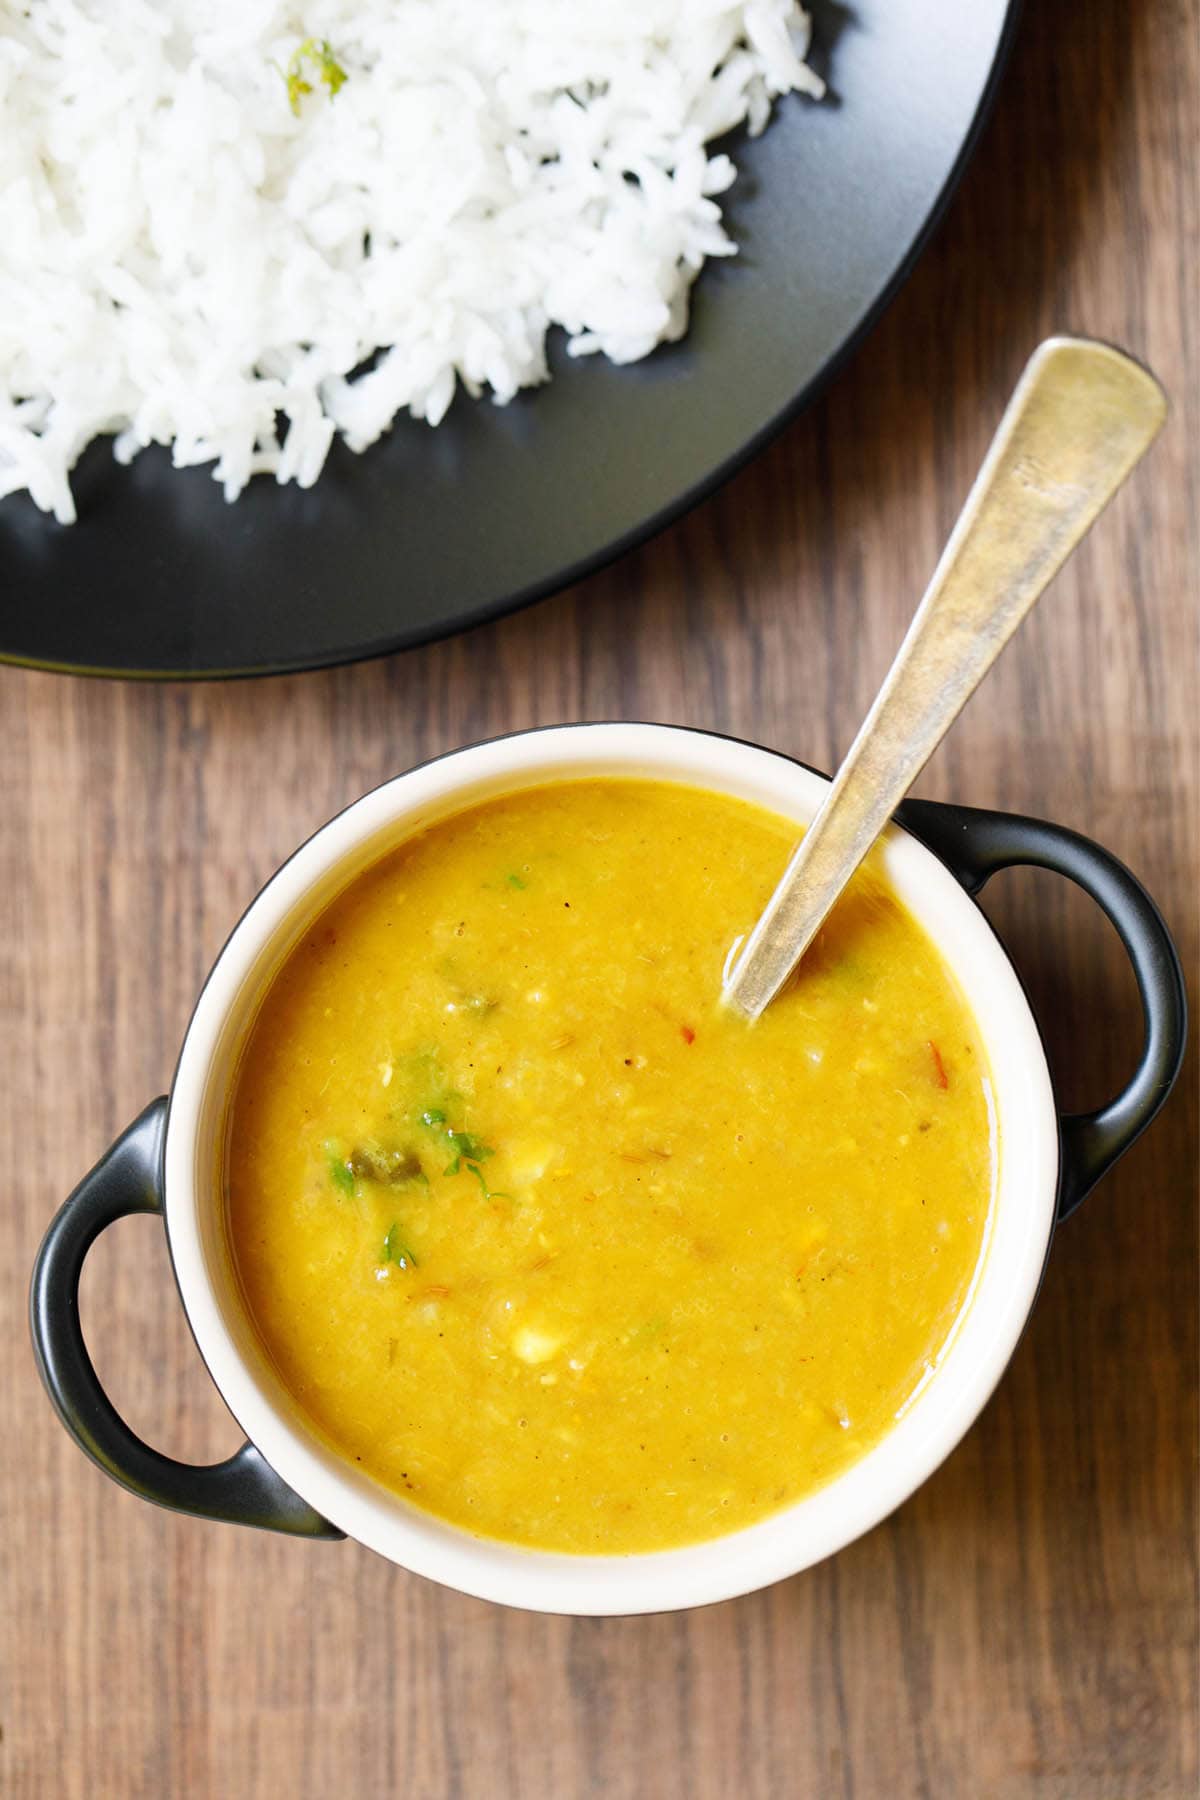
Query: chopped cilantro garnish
[
  {"x": 340, "y": 1172},
  {"x": 488, "y": 1193},
  {"x": 469, "y": 1151},
  {"x": 318, "y": 53},
  {"x": 395, "y": 1250}
]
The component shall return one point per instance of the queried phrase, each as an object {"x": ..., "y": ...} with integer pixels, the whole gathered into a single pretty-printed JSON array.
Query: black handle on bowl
[
  {"x": 244, "y": 1489},
  {"x": 975, "y": 845}
]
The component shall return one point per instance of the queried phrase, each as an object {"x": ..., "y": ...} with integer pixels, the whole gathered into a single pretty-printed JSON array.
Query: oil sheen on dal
[{"x": 551, "y": 1246}]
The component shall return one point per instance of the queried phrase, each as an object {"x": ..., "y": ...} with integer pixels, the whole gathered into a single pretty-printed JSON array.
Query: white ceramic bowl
[{"x": 1026, "y": 1194}]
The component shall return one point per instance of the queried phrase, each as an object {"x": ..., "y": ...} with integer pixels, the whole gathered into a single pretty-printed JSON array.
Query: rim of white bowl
[{"x": 935, "y": 1419}]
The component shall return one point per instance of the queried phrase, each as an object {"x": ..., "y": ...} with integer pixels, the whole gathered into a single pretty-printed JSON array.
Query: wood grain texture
[{"x": 1026, "y": 1625}]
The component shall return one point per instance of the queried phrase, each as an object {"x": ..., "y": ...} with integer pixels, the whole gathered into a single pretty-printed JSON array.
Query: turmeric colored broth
[{"x": 549, "y": 1244}]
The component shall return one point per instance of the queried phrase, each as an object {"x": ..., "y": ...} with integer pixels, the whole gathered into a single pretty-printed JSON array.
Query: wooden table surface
[{"x": 1026, "y": 1624}]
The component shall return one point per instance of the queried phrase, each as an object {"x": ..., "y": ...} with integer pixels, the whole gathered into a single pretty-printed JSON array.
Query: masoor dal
[{"x": 551, "y": 1245}]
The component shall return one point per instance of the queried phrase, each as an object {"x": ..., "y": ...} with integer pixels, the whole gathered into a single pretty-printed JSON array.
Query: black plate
[{"x": 434, "y": 530}]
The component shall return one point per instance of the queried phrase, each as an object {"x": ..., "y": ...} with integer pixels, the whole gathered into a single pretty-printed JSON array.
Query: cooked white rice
[{"x": 185, "y": 261}]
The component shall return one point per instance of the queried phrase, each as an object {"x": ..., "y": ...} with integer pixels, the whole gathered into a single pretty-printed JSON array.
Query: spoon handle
[{"x": 1081, "y": 416}]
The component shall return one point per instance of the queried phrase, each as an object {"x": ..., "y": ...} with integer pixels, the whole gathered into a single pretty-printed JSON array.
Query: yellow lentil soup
[{"x": 555, "y": 1248}]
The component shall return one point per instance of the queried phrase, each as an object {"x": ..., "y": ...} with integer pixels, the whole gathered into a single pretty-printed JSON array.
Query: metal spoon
[{"x": 1081, "y": 417}]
